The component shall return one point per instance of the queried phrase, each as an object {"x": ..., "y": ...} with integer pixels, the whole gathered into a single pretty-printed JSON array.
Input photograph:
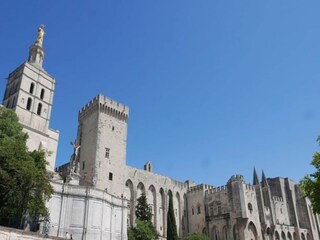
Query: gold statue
[{"x": 40, "y": 36}]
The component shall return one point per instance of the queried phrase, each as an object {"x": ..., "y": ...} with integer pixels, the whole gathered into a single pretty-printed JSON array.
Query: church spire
[
  {"x": 264, "y": 180},
  {"x": 255, "y": 177},
  {"x": 36, "y": 52}
]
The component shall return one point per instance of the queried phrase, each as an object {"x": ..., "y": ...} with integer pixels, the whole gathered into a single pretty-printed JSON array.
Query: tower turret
[
  {"x": 102, "y": 137},
  {"x": 29, "y": 92},
  {"x": 36, "y": 52}
]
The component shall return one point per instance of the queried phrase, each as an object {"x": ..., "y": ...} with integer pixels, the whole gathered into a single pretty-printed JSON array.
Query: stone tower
[
  {"x": 29, "y": 92},
  {"x": 102, "y": 141}
]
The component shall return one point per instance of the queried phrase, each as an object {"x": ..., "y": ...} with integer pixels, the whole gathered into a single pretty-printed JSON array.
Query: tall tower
[
  {"x": 29, "y": 92},
  {"x": 102, "y": 141}
]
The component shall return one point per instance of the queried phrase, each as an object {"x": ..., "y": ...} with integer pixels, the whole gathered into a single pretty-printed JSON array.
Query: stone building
[
  {"x": 29, "y": 92},
  {"x": 96, "y": 192},
  {"x": 84, "y": 212}
]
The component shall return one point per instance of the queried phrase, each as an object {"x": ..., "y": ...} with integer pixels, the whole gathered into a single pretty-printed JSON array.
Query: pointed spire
[
  {"x": 36, "y": 52},
  {"x": 255, "y": 177},
  {"x": 264, "y": 180}
]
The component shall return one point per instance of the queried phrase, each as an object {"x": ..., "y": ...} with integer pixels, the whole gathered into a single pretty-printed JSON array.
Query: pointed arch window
[
  {"x": 42, "y": 93},
  {"x": 39, "y": 109},
  {"x": 29, "y": 103},
  {"x": 31, "y": 88}
]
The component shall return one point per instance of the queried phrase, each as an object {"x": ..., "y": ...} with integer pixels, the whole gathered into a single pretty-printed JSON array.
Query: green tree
[
  {"x": 310, "y": 184},
  {"x": 144, "y": 229},
  {"x": 143, "y": 211},
  {"x": 171, "y": 222},
  {"x": 197, "y": 236},
  {"x": 24, "y": 182}
]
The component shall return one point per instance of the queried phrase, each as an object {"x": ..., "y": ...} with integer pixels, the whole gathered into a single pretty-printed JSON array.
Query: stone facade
[
  {"x": 86, "y": 213},
  {"x": 15, "y": 234},
  {"x": 29, "y": 92}
]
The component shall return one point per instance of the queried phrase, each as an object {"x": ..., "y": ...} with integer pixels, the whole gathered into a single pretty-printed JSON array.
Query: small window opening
[
  {"x": 42, "y": 93},
  {"x": 39, "y": 109},
  {"x": 199, "y": 209},
  {"x": 110, "y": 176},
  {"x": 31, "y": 88},
  {"x": 107, "y": 154},
  {"x": 83, "y": 165},
  {"x": 13, "y": 102},
  {"x": 250, "y": 207},
  {"x": 29, "y": 103},
  {"x": 192, "y": 210},
  {"x": 112, "y": 128}
]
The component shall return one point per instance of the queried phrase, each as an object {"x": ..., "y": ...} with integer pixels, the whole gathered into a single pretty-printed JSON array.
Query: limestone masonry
[{"x": 96, "y": 192}]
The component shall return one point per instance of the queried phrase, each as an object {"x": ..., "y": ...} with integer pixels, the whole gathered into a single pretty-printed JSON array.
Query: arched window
[
  {"x": 39, "y": 109},
  {"x": 29, "y": 103},
  {"x": 31, "y": 88},
  {"x": 198, "y": 209},
  {"x": 42, "y": 93}
]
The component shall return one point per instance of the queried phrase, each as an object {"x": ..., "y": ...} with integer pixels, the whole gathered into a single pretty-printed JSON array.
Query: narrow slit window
[
  {"x": 39, "y": 109},
  {"x": 29, "y": 103},
  {"x": 31, "y": 88},
  {"x": 42, "y": 93},
  {"x": 110, "y": 176},
  {"x": 83, "y": 165},
  {"x": 107, "y": 153}
]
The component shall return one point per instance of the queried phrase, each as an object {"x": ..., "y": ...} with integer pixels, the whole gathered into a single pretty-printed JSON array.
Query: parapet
[
  {"x": 249, "y": 187},
  {"x": 106, "y": 105},
  {"x": 277, "y": 199},
  {"x": 236, "y": 178},
  {"x": 200, "y": 188},
  {"x": 217, "y": 189}
]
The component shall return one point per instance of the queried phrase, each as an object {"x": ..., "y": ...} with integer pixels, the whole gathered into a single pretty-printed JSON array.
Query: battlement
[
  {"x": 249, "y": 187},
  {"x": 217, "y": 189},
  {"x": 106, "y": 105},
  {"x": 277, "y": 199},
  {"x": 200, "y": 188},
  {"x": 236, "y": 178}
]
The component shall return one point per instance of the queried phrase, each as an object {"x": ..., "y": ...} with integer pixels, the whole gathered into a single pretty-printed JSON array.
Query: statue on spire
[{"x": 40, "y": 35}]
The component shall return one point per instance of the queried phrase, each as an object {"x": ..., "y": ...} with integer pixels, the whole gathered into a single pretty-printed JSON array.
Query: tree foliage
[
  {"x": 197, "y": 236},
  {"x": 144, "y": 229},
  {"x": 24, "y": 183},
  {"x": 143, "y": 211},
  {"x": 310, "y": 184},
  {"x": 171, "y": 222}
]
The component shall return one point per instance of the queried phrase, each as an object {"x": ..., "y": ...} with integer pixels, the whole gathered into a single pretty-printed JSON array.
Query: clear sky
[{"x": 214, "y": 87}]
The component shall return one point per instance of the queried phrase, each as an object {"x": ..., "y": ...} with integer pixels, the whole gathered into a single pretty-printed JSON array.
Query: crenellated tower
[
  {"x": 29, "y": 92},
  {"x": 102, "y": 140}
]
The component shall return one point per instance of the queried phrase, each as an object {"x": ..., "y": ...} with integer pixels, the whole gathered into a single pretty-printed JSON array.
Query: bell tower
[{"x": 29, "y": 92}]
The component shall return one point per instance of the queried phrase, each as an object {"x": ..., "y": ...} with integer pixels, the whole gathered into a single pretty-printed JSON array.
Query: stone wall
[
  {"x": 157, "y": 189},
  {"x": 87, "y": 213},
  {"x": 16, "y": 234}
]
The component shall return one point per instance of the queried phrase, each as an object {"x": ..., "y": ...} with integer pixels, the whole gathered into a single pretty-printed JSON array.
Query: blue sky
[{"x": 214, "y": 87}]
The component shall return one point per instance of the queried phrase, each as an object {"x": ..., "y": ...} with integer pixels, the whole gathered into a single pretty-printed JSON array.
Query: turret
[{"x": 29, "y": 92}]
